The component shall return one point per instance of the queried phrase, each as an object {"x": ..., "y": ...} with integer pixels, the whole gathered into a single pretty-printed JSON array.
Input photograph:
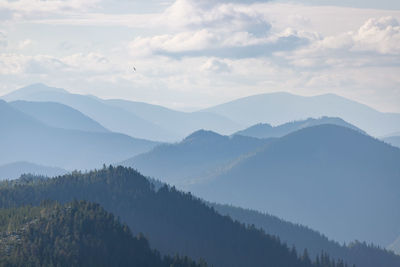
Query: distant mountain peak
[
  {"x": 203, "y": 134},
  {"x": 266, "y": 131},
  {"x": 35, "y": 88}
]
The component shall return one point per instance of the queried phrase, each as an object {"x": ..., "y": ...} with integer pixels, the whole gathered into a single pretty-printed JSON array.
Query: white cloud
[
  {"x": 91, "y": 62},
  {"x": 200, "y": 14},
  {"x": 210, "y": 42},
  {"x": 185, "y": 41},
  {"x": 3, "y": 40},
  {"x": 25, "y": 43},
  {"x": 12, "y": 64},
  {"x": 31, "y": 6},
  {"x": 381, "y": 35},
  {"x": 215, "y": 65},
  {"x": 75, "y": 64},
  {"x": 375, "y": 43}
]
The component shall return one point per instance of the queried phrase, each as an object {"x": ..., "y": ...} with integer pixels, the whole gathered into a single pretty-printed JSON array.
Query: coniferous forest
[
  {"x": 78, "y": 233},
  {"x": 166, "y": 219}
]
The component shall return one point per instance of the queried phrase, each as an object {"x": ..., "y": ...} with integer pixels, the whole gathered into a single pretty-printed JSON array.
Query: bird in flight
[{"x": 134, "y": 69}]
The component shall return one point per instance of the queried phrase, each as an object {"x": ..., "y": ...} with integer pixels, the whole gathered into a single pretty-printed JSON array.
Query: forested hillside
[
  {"x": 303, "y": 237},
  {"x": 173, "y": 222},
  {"x": 74, "y": 234}
]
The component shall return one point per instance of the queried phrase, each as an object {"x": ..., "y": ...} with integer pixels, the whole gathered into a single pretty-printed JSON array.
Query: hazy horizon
[
  {"x": 190, "y": 55},
  {"x": 195, "y": 109}
]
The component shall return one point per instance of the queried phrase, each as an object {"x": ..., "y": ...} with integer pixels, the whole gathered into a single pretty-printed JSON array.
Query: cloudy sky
[{"x": 196, "y": 53}]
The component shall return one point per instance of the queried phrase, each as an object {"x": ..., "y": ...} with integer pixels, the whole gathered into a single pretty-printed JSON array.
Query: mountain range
[
  {"x": 314, "y": 176},
  {"x": 139, "y": 120},
  {"x": 195, "y": 158},
  {"x": 24, "y": 138},
  {"x": 265, "y": 130},
  {"x": 279, "y": 108},
  {"x": 152, "y": 122},
  {"x": 308, "y": 160}
]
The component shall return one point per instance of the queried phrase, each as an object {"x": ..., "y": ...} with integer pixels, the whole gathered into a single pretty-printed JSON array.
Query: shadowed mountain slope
[
  {"x": 113, "y": 118},
  {"x": 58, "y": 116},
  {"x": 182, "y": 123},
  {"x": 136, "y": 119},
  {"x": 195, "y": 158},
  {"x": 318, "y": 176},
  {"x": 23, "y": 138}
]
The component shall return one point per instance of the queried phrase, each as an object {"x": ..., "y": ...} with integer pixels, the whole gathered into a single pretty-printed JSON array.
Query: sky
[{"x": 191, "y": 54}]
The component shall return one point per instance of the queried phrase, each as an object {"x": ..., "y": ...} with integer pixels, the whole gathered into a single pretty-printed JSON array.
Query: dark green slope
[
  {"x": 74, "y": 234},
  {"x": 173, "y": 222},
  {"x": 303, "y": 237}
]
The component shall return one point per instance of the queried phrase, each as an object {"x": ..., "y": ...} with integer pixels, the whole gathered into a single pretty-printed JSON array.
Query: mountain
[
  {"x": 58, "y": 115},
  {"x": 23, "y": 138},
  {"x": 173, "y": 222},
  {"x": 111, "y": 117},
  {"x": 182, "y": 123},
  {"x": 16, "y": 169},
  {"x": 73, "y": 234},
  {"x": 279, "y": 108},
  {"x": 195, "y": 158},
  {"x": 302, "y": 238},
  {"x": 330, "y": 178},
  {"x": 265, "y": 130},
  {"x": 393, "y": 140},
  {"x": 136, "y": 119}
]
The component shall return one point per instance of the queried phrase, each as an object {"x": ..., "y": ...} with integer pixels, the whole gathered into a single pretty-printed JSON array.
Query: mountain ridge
[
  {"x": 262, "y": 130},
  {"x": 22, "y": 137},
  {"x": 58, "y": 115},
  {"x": 279, "y": 108},
  {"x": 15, "y": 169},
  {"x": 305, "y": 162}
]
